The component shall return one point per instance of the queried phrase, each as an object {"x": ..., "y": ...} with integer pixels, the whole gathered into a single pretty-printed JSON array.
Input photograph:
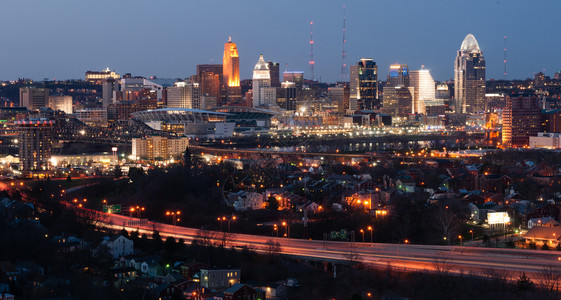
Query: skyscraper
[
  {"x": 33, "y": 98},
  {"x": 364, "y": 85},
  {"x": 210, "y": 78},
  {"x": 261, "y": 81},
  {"x": 231, "y": 72},
  {"x": 424, "y": 89},
  {"x": 339, "y": 95},
  {"x": 521, "y": 120},
  {"x": 184, "y": 95},
  {"x": 398, "y": 98},
  {"x": 35, "y": 146},
  {"x": 469, "y": 77},
  {"x": 274, "y": 70}
]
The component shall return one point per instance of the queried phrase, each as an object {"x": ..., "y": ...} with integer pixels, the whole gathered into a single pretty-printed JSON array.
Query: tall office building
[
  {"x": 110, "y": 87},
  {"x": 184, "y": 95},
  {"x": 398, "y": 99},
  {"x": 98, "y": 77},
  {"x": 231, "y": 72},
  {"x": 35, "y": 145},
  {"x": 33, "y": 98},
  {"x": 210, "y": 78},
  {"x": 521, "y": 119},
  {"x": 288, "y": 96},
  {"x": 469, "y": 77},
  {"x": 399, "y": 76},
  {"x": 364, "y": 85},
  {"x": 62, "y": 103},
  {"x": 261, "y": 81},
  {"x": 340, "y": 96},
  {"x": 274, "y": 70},
  {"x": 424, "y": 89}
]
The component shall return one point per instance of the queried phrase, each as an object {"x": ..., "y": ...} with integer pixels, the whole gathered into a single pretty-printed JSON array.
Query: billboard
[{"x": 497, "y": 218}]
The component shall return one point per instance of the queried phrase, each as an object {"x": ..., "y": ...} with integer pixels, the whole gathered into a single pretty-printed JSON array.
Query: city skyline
[{"x": 108, "y": 38}]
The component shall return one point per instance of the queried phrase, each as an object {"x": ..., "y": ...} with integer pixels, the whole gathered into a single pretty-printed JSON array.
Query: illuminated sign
[{"x": 497, "y": 218}]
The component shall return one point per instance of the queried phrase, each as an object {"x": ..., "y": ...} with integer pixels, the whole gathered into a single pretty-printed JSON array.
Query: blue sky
[{"x": 63, "y": 38}]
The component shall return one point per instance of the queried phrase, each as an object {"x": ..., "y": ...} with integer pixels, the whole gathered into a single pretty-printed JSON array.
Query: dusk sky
[{"x": 62, "y": 39}]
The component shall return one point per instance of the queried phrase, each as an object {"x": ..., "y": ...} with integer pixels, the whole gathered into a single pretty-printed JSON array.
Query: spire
[{"x": 229, "y": 39}]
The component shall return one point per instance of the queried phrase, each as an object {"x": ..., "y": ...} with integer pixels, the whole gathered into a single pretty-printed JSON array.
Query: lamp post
[
  {"x": 471, "y": 231},
  {"x": 371, "y": 239},
  {"x": 285, "y": 229},
  {"x": 173, "y": 215},
  {"x": 461, "y": 240},
  {"x": 275, "y": 229},
  {"x": 362, "y": 231}
]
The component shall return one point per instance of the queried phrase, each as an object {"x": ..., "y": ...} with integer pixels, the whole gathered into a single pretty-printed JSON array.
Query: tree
[
  {"x": 549, "y": 278},
  {"x": 118, "y": 173},
  {"x": 272, "y": 203},
  {"x": 545, "y": 246},
  {"x": 69, "y": 178},
  {"x": 524, "y": 283},
  {"x": 273, "y": 248},
  {"x": 187, "y": 160},
  {"x": 446, "y": 221},
  {"x": 442, "y": 266}
]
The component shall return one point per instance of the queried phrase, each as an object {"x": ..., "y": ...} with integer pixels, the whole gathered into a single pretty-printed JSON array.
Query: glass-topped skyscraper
[
  {"x": 469, "y": 77},
  {"x": 364, "y": 85}
]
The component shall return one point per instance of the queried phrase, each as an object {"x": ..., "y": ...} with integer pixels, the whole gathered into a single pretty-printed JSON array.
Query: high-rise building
[
  {"x": 399, "y": 76},
  {"x": 62, "y": 103},
  {"x": 158, "y": 147},
  {"x": 35, "y": 145},
  {"x": 469, "y": 77},
  {"x": 521, "y": 119},
  {"x": 364, "y": 85},
  {"x": 33, "y": 98},
  {"x": 110, "y": 87},
  {"x": 398, "y": 101},
  {"x": 261, "y": 80},
  {"x": 274, "y": 70},
  {"x": 340, "y": 95},
  {"x": 231, "y": 72},
  {"x": 288, "y": 96},
  {"x": 184, "y": 95},
  {"x": 424, "y": 89},
  {"x": 211, "y": 80}
]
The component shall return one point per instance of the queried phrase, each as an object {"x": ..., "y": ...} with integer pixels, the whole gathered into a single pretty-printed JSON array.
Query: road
[{"x": 467, "y": 260}]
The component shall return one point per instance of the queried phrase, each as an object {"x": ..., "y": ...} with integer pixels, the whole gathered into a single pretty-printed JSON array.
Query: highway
[{"x": 455, "y": 259}]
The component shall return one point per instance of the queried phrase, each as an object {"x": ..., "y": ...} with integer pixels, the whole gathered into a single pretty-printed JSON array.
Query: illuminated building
[
  {"x": 364, "y": 85},
  {"x": 423, "y": 90},
  {"x": 35, "y": 145},
  {"x": 184, "y": 95},
  {"x": 288, "y": 96},
  {"x": 94, "y": 76},
  {"x": 521, "y": 120},
  {"x": 469, "y": 77},
  {"x": 261, "y": 83},
  {"x": 210, "y": 79},
  {"x": 158, "y": 147},
  {"x": 62, "y": 103},
  {"x": 231, "y": 72},
  {"x": 340, "y": 95},
  {"x": 546, "y": 140},
  {"x": 109, "y": 89},
  {"x": 397, "y": 100},
  {"x": 33, "y": 98},
  {"x": 92, "y": 116}
]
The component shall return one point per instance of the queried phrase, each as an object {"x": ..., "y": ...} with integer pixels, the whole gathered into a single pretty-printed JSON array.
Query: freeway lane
[{"x": 475, "y": 260}]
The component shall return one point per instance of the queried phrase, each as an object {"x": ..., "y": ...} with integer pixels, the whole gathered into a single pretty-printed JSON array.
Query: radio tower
[
  {"x": 312, "y": 62},
  {"x": 505, "y": 58},
  {"x": 344, "y": 69}
]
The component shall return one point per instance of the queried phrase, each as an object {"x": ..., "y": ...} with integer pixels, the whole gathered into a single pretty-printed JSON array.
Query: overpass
[{"x": 453, "y": 259}]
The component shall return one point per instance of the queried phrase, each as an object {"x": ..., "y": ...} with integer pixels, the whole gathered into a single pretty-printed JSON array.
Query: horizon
[{"x": 81, "y": 37}]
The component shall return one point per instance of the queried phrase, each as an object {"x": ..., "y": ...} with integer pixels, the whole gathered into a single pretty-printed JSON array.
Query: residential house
[
  {"x": 218, "y": 279},
  {"x": 543, "y": 234},
  {"x": 241, "y": 291},
  {"x": 244, "y": 200},
  {"x": 117, "y": 246}
]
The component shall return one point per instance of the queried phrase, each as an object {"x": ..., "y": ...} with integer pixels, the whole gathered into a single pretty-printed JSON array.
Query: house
[
  {"x": 218, "y": 279},
  {"x": 406, "y": 184},
  {"x": 117, "y": 246},
  {"x": 543, "y": 234},
  {"x": 310, "y": 207},
  {"x": 122, "y": 275},
  {"x": 244, "y": 200},
  {"x": 166, "y": 291},
  {"x": 492, "y": 183},
  {"x": 241, "y": 291},
  {"x": 541, "y": 222},
  {"x": 6, "y": 296},
  {"x": 148, "y": 265},
  {"x": 190, "y": 269}
]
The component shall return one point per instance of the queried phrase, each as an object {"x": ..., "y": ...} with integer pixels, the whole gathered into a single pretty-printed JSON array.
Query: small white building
[
  {"x": 243, "y": 200},
  {"x": 118, "y": 246},
  {"x": 546, "y": 140}
]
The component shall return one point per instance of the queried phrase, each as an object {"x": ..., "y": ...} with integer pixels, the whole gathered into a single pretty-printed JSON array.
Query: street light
[
  {"x": 275, "y": 229},
  {"x": 362, "y": 231},
  {"x": 461, "y": 240},
  {"x": 173, "y": 214},
  {"x": 471, "y": 231},
  {"x": 285, "y": 229},
  {"x": 371, "y": 239}
]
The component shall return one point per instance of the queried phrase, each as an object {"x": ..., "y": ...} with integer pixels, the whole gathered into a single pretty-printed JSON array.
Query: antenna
[
  {"x": 505, "y": 59},
  {"x": 312, "y": 62},
  {"x": 344, "y": 68}
]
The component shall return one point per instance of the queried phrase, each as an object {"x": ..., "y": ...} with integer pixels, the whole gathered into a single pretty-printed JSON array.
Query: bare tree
[
  {"x": 225, "y": 239},
  {"x": 273, "y": 248},
  {"x": 442, "y": 266},
  {"x": 352, "y": 256},
  {"x": 446, "y": 221},
  {"x": 205, "y": 237},
  {"x": 549, "y": 278}
]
